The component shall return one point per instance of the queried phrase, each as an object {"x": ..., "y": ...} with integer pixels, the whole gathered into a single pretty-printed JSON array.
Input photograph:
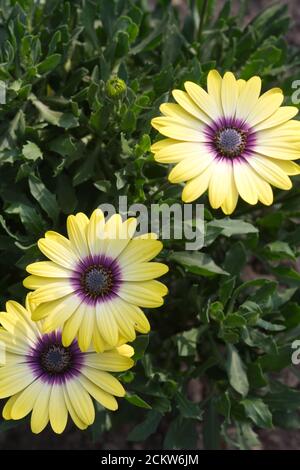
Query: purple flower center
[
  {"x": 56, "y": 359},
  {"x": 230, "y": 141},
  {"x": 53, "y": 362},
  {"x": 96, "y": 279},
  {"x": 230, "y": 138}
]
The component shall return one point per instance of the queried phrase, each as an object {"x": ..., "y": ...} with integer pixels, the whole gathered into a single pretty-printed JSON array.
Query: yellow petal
[
  {"x": 139, "y": 250},
  {"x": 26, "y": 400},
  {"x": 81, "y": 401},
  {"x": 280, "y": 116},
  {"x": 58, "y": 253},
  {"x": 220, "y": 182},
  {"x": 110, "y": 361},
  {"x": 248, "y": 97},
  {"x": 143, "y": 271},
  {"x": 231, "y": 199},
  {"x": 77, "y": 228},
  {"x": 197, "y": 186},
  {"x": 144, "y": 294},
  {"x": 290, "y": 168},
  {"x": 71, "y": 326},
  {"x": 40, "y": 412},
  {"x": 270, "y": 172},
  {"x": 74, "y": 416},
  {"x": 190, "y": 106},
  {"x": 160, "y": 144},
  {"x": 104, "y": 380},
  {"x": 282, "y": 153},
  {"x": 178, "y": 131},
  {"x": 243, "y": 176},
  {"x": 104, "y": 398},
  {"x": 58, "y": 413},
  {"x": 106, "y": 323},
  {"x": 54, "y": 291},
  {"x": 190, "y": 167},
  {"x": 229, "y": 94},
  {"x": 125, "y": 350},
  {"x": 86, "y": 329},
  {"x": 178, "y": 152},
  {"x": 48, "y": 269},
  {"x": 176, "y": 112},
  {"x": 94, "y": 231},
  {"x": 14, "y": 378},
  {"x": 202, "y": 99},
  {"x": 6, "y": 413},
  {"x": 265, "y": 107},
  {"x": 240, "y": 85},
  {"x": 59, "y": 312},
  {"x": 214, "y": 84}
]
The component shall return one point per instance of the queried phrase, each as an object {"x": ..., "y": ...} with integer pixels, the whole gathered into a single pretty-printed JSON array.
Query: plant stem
[{"x": 202, "y": 17}]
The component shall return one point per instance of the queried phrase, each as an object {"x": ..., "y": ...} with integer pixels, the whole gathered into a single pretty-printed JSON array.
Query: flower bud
[{"x": 115, "y": 87}]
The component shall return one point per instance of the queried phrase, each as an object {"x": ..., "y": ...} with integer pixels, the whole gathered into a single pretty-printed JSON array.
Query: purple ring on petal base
[
  {"x": 230, "y": 138},
  {"x": 52, "y": 362},
  {"x": 96, "y": 279}
]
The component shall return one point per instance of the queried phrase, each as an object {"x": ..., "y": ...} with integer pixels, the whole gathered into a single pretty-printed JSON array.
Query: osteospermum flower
[
  {"x": 229, "y": 140},
  {"x": 51, "y": 381},
  {"x": 96, "y": 281}
]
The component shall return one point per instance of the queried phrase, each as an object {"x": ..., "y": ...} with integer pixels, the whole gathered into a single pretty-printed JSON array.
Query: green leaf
[
  {"x": 57, "y": 118},
  {"x": 187, "y": 342},
  {"x": 230, "y": 227},
  {"x": 279, "y": 251},
  {"x": 182, "y": 434},
  {"x": 197, "y": 263},
  {"x": 45, "y": 198},
  {"x": 31, "y": 151},
  {"x": 247, "y": 438},
  {"x": 236, "y": 371},
  {"x": 143, "y": 430},
  {"x": 140, "y": 345},
  {"x": 234, "y": 320},
  {"x": 235, "y": 259},
  {"x": 266, "y": 325},
  {"x": 187, "y": 408},
  {"x": 258, "y": 412},
  {"x": 137, "y": 401},
  {"x": 49, "y": 64}
]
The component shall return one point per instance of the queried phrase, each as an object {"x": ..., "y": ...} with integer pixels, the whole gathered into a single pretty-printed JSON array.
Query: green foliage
[{"x": 83, "y": 80}]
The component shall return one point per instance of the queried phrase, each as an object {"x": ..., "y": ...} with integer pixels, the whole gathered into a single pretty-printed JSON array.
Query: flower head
[
  {"x": 96, "y": 281},
  {"x": 229, "y": 140},
  {"x": 50, "y": 380}
]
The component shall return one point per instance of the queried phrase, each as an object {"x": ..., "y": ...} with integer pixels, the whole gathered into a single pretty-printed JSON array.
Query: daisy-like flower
[
  {"x": 229, "y": 140},
  {"x": 96, "y": 281},
  {"x": 51, "y": 381}
]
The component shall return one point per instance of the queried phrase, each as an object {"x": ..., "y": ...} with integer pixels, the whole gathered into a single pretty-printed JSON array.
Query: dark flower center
[
  {"x": 230, "y": 141},
  {"x": 97, "y": 280},
  {"x": 55, "y": 359}
]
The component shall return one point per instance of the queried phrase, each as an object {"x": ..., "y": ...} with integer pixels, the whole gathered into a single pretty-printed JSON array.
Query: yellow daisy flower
[
  {"x": 229, "y": 140},
  {"x": 96, "y": 281},
  {"x": 49, "y": 380}
]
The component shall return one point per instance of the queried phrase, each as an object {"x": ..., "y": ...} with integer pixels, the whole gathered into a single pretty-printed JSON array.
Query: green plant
[{"x": 68, "y": 144}]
